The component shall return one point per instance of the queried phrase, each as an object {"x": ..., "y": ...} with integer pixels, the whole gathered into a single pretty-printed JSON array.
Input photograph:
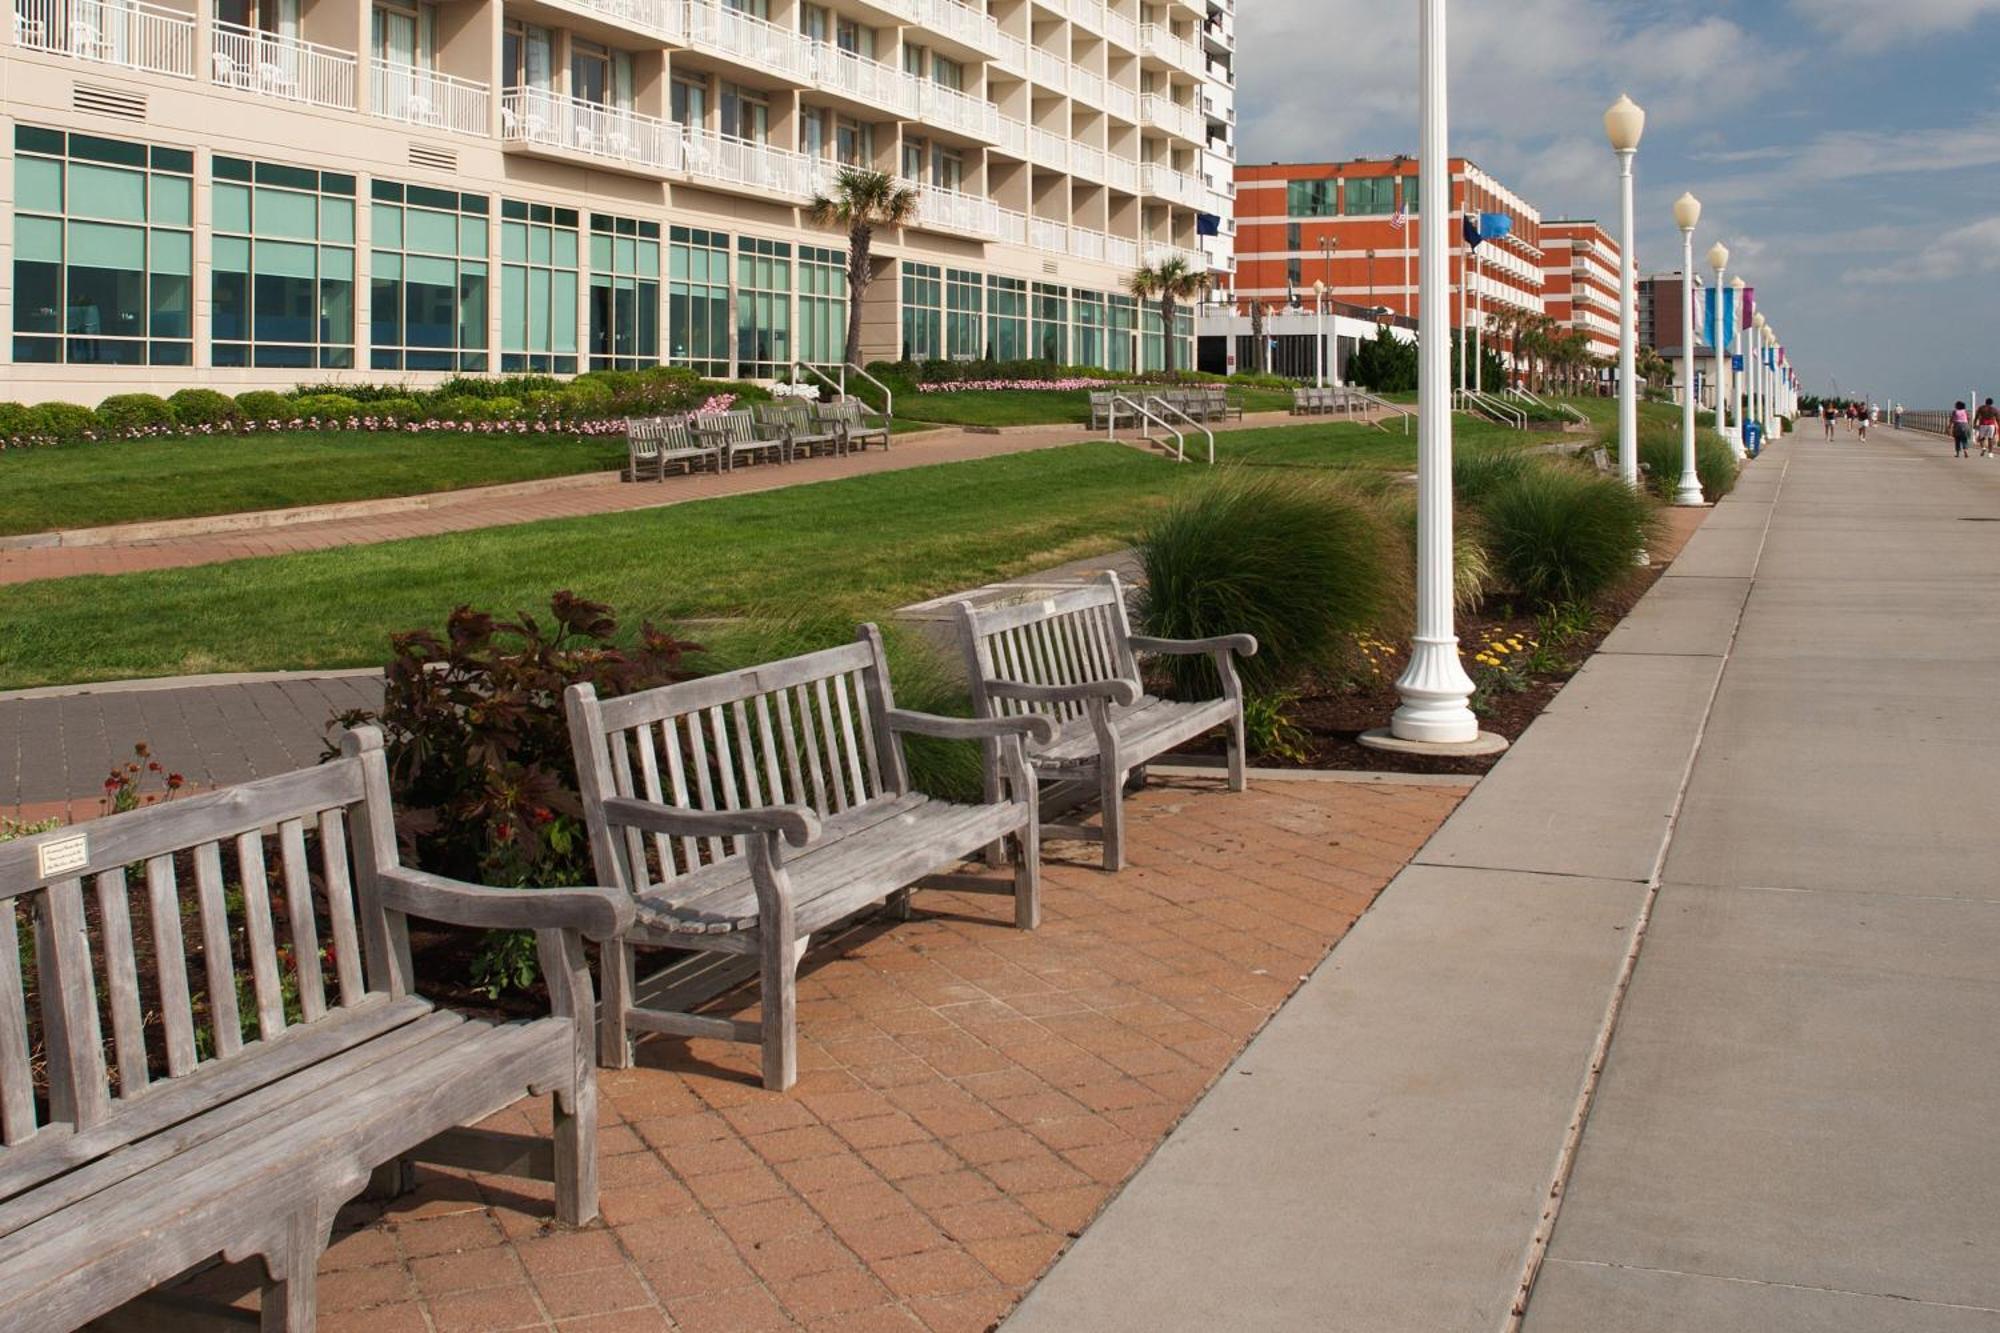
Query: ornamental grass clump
[
  {"x": 1300, "y": 564},
  {"x": 1558, "y": 534},
  {"x": 1714, "y": 461}
]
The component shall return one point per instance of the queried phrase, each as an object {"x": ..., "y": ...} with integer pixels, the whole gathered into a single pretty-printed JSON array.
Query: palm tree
[
  {"x": 861, "y": 201},
  {"x": 1171, "y": 281}
]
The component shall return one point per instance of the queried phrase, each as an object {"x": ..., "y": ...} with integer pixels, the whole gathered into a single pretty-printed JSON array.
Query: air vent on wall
[
  {"x": 441, "y": 159},
  {"x": 1049, "y": 267},
  {"x": 108, "y": 102}
]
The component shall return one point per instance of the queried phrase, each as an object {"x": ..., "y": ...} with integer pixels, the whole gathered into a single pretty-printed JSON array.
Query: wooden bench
[
  {"x": 736, "y": 433},
  {"x": 1219, "y": 408},
  {"x": 213, "y": 1127},
  {"x": 1108, "y": 413},
  {"x": 859, "y": 424},
  {"x": 748, "y": 811},
  {"x": 803, "y": 434},
  {"x": 1073, "y": 659},
  {"x": 651, "y": 443}
]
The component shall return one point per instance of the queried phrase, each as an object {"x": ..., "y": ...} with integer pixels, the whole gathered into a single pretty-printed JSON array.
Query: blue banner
[
  {"x": 1492, "y": 226},
  {"x": 1736, "y": 362},
  {"x": 1708, "y": 321}
]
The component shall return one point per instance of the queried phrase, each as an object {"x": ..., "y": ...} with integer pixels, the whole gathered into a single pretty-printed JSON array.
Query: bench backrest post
[
  {"x": 1074, "y": 637},
  {"x": 385, "y": 936}
]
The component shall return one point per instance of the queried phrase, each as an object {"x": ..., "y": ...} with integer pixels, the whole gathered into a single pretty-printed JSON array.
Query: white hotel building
[{"x": 258, "y": 192}]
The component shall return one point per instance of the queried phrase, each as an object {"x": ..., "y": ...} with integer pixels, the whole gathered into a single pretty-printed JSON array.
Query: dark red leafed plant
[{"x": 125, "y": 785}]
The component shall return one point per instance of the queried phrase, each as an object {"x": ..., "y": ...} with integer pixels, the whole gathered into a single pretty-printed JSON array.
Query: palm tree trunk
[
  {"x": 859, "y": 271},
  {"x": 1167, "y": 333}
]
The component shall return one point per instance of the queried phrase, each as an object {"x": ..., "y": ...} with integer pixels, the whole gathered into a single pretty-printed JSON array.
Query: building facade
[
  {"x": 1580, "y": 281},
  {"x": 256, "y": 192},
  {"x": 1218, "y": 232}
]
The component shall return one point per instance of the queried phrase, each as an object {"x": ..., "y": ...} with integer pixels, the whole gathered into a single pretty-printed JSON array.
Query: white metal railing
[
  {"x": 954, "y": 210},
  {"x": 130, "y": 34},
  {"x": 1160, "y": 254},
  {"x": 1142, "y": 412},
  {"x": 571, "y": 125},
  {"x": 1121, "y": 102},
  {"x": 1166, "y": 411},
  {"x": 1119, "y": 251},
  {"x": 425, "y": 97},
  {"x": 1013, "y": 227},
  {"x": 1121, "y": 173},
  {"x": 955, "y": 110},
  {"x": 1120, "y": 30},
  {"x": 1086, "y": 161},
  {"x": 1156, "y": 39},
  {"x": 1049, "y": 148},
  {"x": 283, "y": 68},
  {"x": 1174, "y": 186},
  {"x": 1087, "y": 244},
  {"x": 974, "y": 27},
  {"x": 667, "y": 18},
  {"x": 1055, "y": 6},
  {"x": 1012, "y": 136},
  {"x": 1486, "y": 405},
  {"x": 1185, "y": 121},
  {"x": 1044, "y": 234},
  {"x": 1086, "y": 86},
  {"x": 1012, "y": 53},
  {"x": 1090, "y": 13},
  {"x": 757, "y": 166},
  {"x": 840, "y": 386},
  {"x": 866, "y": 80},
  {"x": 733, "y": 33},
  {"x": 1048, "y": 69}
]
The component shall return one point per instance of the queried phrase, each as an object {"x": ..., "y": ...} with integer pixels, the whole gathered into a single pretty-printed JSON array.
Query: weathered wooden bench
[
  {"x": 736, "y": 433},
  {"x": 652, "y": 443},
  {"x": 748, "y": 811},
  {"x": 218, "y": 1127},
  {"x": 1217, "y": 404},
  {"x": 1108, "y": 413},
  {"x": 1073, "y": 659},
  {"x": 794, "y": 420},
  {"x": 859, "y": 424}
]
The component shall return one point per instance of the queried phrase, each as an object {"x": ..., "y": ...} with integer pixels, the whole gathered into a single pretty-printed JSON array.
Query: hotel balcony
[
  {"x": 1011, "y": 55},
  {"x": 1121, "y": 102},
  {"x": 961, "y": 23},
  {"x": 425, "y": 97},
  {"x": 1012, "y": 137},
  {"x": 283, "y": 69},
  {"x": 543, "y": 124},
  {"x": 939, "y": 209},
  {"x": 1049, "y": 149},
  {"x": 665, "y": 20},
  {"x": 740, "y": 37},
  {"x": 126, "y": 34},
  {"x": 1174, "y": 186},
  {"x": 1121, "y": 173},
  {"x": 737, "y": 164},
  {"x": 950, "y": 109},
  {"x": 845, "y": 74},
  {"x": 1183, "y": 122},
  {"x": 1048, "y": 69},
  {"x": 1086, "y": 161},
  {"x": 1157, "y": 41}
]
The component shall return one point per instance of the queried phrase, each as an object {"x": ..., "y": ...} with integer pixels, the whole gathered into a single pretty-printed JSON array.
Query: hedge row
[{"x": 913, "y": 374}]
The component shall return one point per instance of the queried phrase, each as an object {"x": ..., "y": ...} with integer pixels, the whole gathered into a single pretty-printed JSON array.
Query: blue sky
[{"x": 1845, "y": 150}]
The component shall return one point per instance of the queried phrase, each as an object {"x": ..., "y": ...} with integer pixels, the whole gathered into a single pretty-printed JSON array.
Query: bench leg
[
  {"x": 1237, "y": 745},
  {"x": 1111, "y": 796},
  {"x": 779, "y": 998},
  {"x": 576, "y": 1155},
  {"x": 290, "y": 1304},
  {"x": 614, "y": 1041},
  {"x": 1028, "y": 875},
  {"x": 898, "y": 906}
]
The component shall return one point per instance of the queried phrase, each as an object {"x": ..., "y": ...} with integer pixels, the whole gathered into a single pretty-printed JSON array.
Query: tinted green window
[
  {"x": 624, "y": 295},
  {"x": 698, "y": 300},
  {"x": 538, "y": 311},
  {"x": 1309, "y": 199},
  {"x": 763, "y": 307},
  {"x": 964, "y": 321},
  {"x": 428, "y": 279},
  {"x": 1006, "y": 319},
  {"x": 822, "y": 306},
  {"x": 923, "y": 312},
  {"x": 281, "y": 279}
]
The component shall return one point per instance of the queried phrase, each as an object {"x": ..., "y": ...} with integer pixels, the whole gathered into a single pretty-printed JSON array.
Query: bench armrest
[
  {"x": 797, "y": 824},
  {"x": 597, "y": 913},
  {"x": 1243, "y": 645},
  {"x": 1036, "y": 728},
  {"x": 1112, "y": 691}
]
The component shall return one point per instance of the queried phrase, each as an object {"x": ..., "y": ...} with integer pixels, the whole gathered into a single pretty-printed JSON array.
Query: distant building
[{"x": 1580, "y": 281}]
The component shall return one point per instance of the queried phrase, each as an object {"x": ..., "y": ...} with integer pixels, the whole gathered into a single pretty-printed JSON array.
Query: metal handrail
[
  {"x": 819, "y": 374},
  {"x": 1375, "y": 401},
  {"x": 1139, "y": 410},
  {"x": 1180, "y": 412},
  {"x": 840, "y": 386},
  {"x": 1486, "y": 405}
]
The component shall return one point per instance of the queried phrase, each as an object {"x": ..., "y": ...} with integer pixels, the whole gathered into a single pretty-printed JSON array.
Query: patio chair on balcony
[
  {"x": 221, "y": 68},
  {"x": 419, "y": 110},
  {"x": 30, "y": 32},
  {"x": 87, "y": 41}
]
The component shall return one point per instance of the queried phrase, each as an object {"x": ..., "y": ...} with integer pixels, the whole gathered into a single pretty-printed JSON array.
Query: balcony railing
[
  {"x": 1013, "y": 227},
  {"x": 569, "y": 125},
  {"x": 1158, "y": 40},
  {"x": 1012, "y": 136},
  {"x": 871, "y": 81},
  {"x": 1121, "y": 102},
  {"x": 974, "y": 27},
  {"x": 1086, "y": 86},
  {"x": 1120, "y": 30},
  {"x": 127, "y": 33},
  {"x": 283, "y": 68},
  {"x": 1048, "y": 69},
  {"x": 1174, "y": 186},
  {"x": 1184, "y": 122},
  {"x": 1087, "y": 244},
  {"x": 743, "y": 37},
  {"x": 667, "y": 18},
  {"x": 1012, "y": 54},
  {"x": 1121, "y": 173},
  {"x": 1086, "y": 161},
  {"x": 1049, "y": 148},
  {"x": 1119, "y": 251},
  {"x": 424, "y": 97},
  {"x": 760, "y": 167},
  {"x": 1044, "y": 234},
  {"x": 953, "y": 210},
  {"x": 950, "y": 109}
]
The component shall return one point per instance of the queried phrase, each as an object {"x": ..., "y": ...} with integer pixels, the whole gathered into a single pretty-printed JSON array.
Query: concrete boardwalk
[{"x": 1765, "y": 806}]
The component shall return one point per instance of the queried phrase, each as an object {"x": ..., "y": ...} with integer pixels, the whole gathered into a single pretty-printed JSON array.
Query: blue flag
[
  {"x": 1728, "y": 341},
  {"x": 1471, "y": 229},
  {"x": 1492, "y": 226}
]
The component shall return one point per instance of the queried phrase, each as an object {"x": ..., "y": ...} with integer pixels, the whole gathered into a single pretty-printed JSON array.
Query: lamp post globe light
[
  {"x": 1737, "y": 402},
  {"x": 1319, "y": 341},
  {"x": 1718, "y": 260},
  {"x": 1687, "y": 213},
  {"x": 1624, "y": 124},
  {"x": 1436, "y": 714}
]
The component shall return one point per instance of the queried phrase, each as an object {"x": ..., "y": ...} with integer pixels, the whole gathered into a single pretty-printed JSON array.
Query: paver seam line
[
  {"x": 1538, "y": 1244},
  {"x": 1843, "y": 892},
  {"x": 1785, "y": 1286},
  {"x": 1593, "y": 876}
]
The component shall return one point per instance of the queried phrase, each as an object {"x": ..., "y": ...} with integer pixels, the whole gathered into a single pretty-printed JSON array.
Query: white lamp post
[
  {"x": 1624, "y": 123},
  {"x": 1687, "y": 212},
  {"x": 1760, "y": 397},
  {"x": 1736, "y": 383},
  {"x": 1718, "y": 259},
  {"x": 1319, "y": 312},
  {"x": 1436, "y": 693}
]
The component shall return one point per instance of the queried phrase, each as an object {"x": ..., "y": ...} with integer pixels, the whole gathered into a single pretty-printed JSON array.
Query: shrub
[
  {"x": 403, "y": 409},
  {"x": 204, "y": 407},
  {"x": 1559, "y": 534},
  {"x": 479, "y": 753},
  {"x": 67, "y": 423},
  {"x": 264, "y": 405},
  {"x": 452, "y": 407},
  {"x": 586, "y": 398},
  {"x": 1714, "y": 462},
  {"x": 19, "y": 424},
  {"x": 1476, "y": 473},
  {"x": 1297, "y": 565},
  {"x": 133, "y": 412},
  {"x": 326, "y": 406}
]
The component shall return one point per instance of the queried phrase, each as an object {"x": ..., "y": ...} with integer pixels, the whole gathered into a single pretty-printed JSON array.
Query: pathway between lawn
[{"x": 324, "y": 526}]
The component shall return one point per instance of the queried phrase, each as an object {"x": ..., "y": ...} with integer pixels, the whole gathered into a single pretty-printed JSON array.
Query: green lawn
[
  {"x": 87, "y": 485},
  {"x": 859, "y": 546},
  {"x": 1037, "y": 407}
]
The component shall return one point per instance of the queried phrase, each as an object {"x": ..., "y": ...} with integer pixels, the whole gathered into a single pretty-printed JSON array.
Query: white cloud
[
  {"x": 1865, "y": 24},
  {"x": 1957, "y": 255}
]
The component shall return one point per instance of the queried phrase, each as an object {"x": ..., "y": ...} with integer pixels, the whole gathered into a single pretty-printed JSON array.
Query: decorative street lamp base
[{"x": 1383, "y": 739}]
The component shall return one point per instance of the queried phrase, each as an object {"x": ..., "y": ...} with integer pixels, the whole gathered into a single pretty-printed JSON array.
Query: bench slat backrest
[
  {"x": 809, "y": 730},
  {"x": 260, "y": 881},
  {"x": 653, "y": 435},
  {"x": 1072, "y": 638},
  {"x": 736, "y": 427}
]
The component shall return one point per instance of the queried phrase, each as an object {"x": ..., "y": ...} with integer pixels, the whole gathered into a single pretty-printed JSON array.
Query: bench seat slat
[{"x": 1146, "y": 724}]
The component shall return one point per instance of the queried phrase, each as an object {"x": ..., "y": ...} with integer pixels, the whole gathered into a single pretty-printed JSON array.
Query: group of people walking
[
  {"x": 1856, "y": 415},
  {"x": 1982, "y": 425}
]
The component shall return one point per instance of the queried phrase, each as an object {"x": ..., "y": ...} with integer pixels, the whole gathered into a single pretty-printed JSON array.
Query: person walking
[
  {"x": 1861, "y": 420},
  {"x": 1826, "y": 413},
  {"x": 1961, "y": 432},
  {"x": 1986, "y": 424}
]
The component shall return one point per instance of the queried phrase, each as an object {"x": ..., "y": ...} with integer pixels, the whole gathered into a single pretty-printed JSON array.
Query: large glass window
[
  {"x": 698, "y": 300},
  {"x": 1090, "y": 340},
  {"x": 624, "y": 293},
  {"x": 427, "y": 278},
  {"x": 1411, "y": 187},
  {"x": 281, "y": 273},
  {"x": 763, "y": 307},
  {"x": 822, "y": 306},
  {"x": 1309, "y": 199},
  {"x": 103, "y": 251},
  {"x": 538, "y": 288},
  {"x": 965, "y": 300},
  {"x": 1051, "y": 323},
  {"x": 746, "y": 114},
  {"x": 1370, "y": 197},
  {"x": 1121, "y": 315},
  {"x": 923, "y": 312},
  {"x": 1006, "y": 319},
  {"x": 1153, "y": 353}
]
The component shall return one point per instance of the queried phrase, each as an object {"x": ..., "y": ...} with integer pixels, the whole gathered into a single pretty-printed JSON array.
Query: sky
[{"x": 1844, "y": 150}]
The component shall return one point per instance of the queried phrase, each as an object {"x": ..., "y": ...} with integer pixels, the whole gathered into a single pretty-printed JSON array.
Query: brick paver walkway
[
  {"x": 971, "y": 1096},
  {"x": 460, "y": 512}
]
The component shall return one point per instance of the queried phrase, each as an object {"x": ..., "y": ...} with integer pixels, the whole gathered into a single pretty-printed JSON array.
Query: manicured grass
[
  {"x": 1036, "y": 407},
  {"x": 1340, "y": 444},
  {"x": 88, "y": 485}
]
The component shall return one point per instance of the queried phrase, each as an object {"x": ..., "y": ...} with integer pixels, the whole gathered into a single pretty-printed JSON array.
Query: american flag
[{"x": 1400, "y": 220}]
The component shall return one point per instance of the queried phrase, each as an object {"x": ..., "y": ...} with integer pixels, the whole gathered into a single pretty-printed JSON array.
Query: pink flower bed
[{"x": 986, "y": 385}]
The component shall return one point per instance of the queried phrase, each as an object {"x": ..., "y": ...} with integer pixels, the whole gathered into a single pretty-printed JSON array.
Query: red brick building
[
  {"x": 1580, "y": 281},
  {"x": 1301, "y": 223}
]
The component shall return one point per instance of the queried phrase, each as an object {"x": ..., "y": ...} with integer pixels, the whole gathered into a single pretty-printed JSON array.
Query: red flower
[
  {"x": 113, "y": 783},
  {"x": 175, "y": 782}
]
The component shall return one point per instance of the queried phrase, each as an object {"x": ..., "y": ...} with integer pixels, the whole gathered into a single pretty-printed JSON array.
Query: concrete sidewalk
[{"x": 1773, "y": 777}]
